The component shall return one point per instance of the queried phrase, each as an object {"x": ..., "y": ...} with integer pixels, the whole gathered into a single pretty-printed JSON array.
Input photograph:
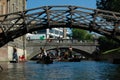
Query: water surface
[{"x": 84, "y": 70}]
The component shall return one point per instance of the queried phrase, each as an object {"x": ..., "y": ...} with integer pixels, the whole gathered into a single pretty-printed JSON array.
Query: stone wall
[
  {"x": 10, "y": 6},
  {"x": 19, "y": 52},
  {"x": 4, "y": 53},
  {"x": 3, "y": 7}
]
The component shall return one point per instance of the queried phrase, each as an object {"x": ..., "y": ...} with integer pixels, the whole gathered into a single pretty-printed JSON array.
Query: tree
[
  {"x": 81, "y": 34},
  {"x": 111, "y": 5},
  {"x": 107, "y": 44}
]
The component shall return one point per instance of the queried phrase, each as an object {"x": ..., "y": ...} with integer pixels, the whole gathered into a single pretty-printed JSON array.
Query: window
[
  {"x": 41, "y": 31},
  {"x": 51, "y": 31},
  {"x": 56, "y": 32},
  {"x": 61, "y": 33}
]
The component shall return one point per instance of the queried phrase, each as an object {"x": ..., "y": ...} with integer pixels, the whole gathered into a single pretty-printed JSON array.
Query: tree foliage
[
  {"x": 107, "y": 44},
  {"x": 81, "y": 34},
  {"x": 111, "y": 5}
]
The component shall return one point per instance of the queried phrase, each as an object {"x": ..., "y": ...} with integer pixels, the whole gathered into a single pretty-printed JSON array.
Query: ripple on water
[{"x": 84, "y": 70}]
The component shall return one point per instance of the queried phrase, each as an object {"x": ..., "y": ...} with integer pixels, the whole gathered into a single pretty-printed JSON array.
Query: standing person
[
  {"x": 15, "y": 56},
  {"x": 45, "y": 53},
  {"x": 41, "y": 53}
]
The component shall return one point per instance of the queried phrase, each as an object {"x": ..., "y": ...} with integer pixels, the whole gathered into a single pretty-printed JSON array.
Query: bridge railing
[{"x": 61, "y": 41}]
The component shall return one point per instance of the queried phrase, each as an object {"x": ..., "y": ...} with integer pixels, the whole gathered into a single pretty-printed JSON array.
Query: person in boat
[
  {"x": 44, "y": 54},
  {"x": 47, "y": 58},
  {"x": 66, "y": 55},
  {"x": 43, "y": 57},
  {"x": 41, "y": 54},
  {"x": 75, "y": 59}
]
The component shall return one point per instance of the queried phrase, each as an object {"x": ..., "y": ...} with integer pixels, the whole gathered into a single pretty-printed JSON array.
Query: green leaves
[
  {"x": 107, "y": 43},
  {"x": 111, "y": 5},
  {"x": 81, "y": 34}
]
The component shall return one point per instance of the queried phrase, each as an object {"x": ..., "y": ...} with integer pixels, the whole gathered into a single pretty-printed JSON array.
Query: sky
[{"x": 82, "y": 3}]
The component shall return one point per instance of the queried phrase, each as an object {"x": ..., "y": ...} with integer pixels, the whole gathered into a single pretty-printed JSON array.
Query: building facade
[
  {"x": 11, "y": 6},
  {"x": 3, "y": 7},
  {"x": 53, "y": 33}
]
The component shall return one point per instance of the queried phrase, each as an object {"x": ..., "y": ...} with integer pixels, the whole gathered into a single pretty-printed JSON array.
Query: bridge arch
[
  {"x": 16, "y": 24},
  {"x": 84, "y": 53},
  {"x": 79, "y": 51}
]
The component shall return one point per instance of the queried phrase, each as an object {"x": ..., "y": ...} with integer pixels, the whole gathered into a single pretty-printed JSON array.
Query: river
[{"x": 84, "y": 70}]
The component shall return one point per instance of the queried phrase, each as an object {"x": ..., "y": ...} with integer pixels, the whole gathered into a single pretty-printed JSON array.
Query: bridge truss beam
[{"x": 19, "y": 23}]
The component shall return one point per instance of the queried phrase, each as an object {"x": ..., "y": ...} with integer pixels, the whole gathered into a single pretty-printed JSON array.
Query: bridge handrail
[
  {"x": 106, "y": 11},
  {"x": 72, "y": 41}
]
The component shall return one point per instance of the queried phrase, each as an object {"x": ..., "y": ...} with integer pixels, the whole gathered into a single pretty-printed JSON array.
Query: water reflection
[
  {"x": 12, "y": 71},
  {"x": 84, "y": 70}
]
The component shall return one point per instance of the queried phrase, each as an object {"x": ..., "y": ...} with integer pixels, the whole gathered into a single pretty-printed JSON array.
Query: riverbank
[
  {"x": 112, "y": 56},
  {"x": 117, "y": 50}
]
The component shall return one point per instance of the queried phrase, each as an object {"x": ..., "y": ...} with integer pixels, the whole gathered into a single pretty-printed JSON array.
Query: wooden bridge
[{"x": 16, "y": 24}]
